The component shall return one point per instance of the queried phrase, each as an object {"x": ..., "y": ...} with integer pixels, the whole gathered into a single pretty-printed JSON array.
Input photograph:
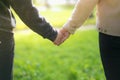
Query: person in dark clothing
[{"x": 29, "y": 15}]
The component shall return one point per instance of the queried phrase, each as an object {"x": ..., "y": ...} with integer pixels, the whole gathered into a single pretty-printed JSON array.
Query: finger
[
  {"x": 58, "y": 39},
  {"x": 62, "y": 39}
]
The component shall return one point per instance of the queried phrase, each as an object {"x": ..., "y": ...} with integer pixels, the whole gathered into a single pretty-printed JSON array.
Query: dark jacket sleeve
[{"x": 29, "y": 15}]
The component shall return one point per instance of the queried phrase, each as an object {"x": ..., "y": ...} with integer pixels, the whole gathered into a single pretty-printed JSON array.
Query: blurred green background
[{"x": 39, "y": 59}]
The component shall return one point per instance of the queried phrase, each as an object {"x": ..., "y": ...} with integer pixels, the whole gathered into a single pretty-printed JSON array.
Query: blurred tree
[
  {"x": 35, "y": 1},
  {"x": 70, "y": 2},
  {"x": 47, "y": 5}
]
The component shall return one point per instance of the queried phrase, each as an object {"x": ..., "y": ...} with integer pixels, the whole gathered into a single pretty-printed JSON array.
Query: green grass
[
  {"x": 76, "y": 59},
  {"x": 39, "y": 59}
]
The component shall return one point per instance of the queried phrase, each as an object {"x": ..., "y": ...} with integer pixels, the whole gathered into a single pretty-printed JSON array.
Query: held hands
[{"x": 61, "y": 37}]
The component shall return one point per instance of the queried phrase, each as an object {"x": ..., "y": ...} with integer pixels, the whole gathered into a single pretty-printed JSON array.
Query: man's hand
[{"x": 61, "y": 37}]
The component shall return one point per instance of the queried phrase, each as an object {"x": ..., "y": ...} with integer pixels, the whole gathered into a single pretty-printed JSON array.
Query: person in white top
[{"x": 108, "y": 26}]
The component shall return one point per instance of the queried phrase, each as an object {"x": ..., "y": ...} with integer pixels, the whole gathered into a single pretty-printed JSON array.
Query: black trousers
[
  {"x": 110, "y": 55},
  {"x": 6, "y": 55}
]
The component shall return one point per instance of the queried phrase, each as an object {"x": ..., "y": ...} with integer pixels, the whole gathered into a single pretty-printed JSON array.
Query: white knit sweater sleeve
[{"x": 82, "y": 10}]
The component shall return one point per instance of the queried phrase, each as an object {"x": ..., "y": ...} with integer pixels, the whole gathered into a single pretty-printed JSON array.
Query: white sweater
[{"x": 108, "y": 16}]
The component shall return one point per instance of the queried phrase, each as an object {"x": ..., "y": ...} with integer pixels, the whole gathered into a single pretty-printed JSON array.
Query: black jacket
[{"x": 28, "y": 14}]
